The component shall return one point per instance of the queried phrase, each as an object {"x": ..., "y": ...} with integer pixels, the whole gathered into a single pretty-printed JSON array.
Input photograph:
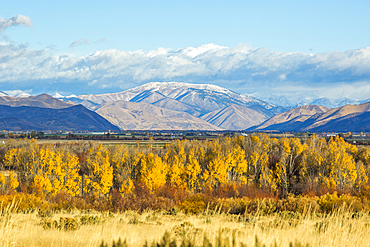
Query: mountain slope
[
  {"x": 359, "y": 121},
  {"x": 42, "y": 100},
  {"x": 195, "y": 99},
  {"x": 292, "y": 119},
  {"x": 204, "y": 96},
  {"x": 340, "y": 112},
  {"x": 175, "y": 105},
  {"x": 234, "y": 117},
  {"x": 345, "y": 118},
  {"x": 144, "y": 116},
  {"x": 74, "y": 118}
]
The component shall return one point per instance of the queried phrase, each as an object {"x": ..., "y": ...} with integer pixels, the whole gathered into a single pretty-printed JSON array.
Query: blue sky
[{"x": 247, "y": 46}]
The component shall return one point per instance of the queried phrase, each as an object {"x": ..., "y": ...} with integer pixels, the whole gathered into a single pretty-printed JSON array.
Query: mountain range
[
  {"x": 179, "y": 106},
  {"x": 320, "y": 119},
  {"x": 306, "y": 98}
]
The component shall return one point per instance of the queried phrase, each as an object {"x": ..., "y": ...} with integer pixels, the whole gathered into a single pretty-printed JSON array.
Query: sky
[{"x": 250, "y": 47}]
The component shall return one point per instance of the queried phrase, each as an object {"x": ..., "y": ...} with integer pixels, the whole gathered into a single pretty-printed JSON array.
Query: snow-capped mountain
[
  {"x": 16, "y": 94},
  {"x": 206, "y": 96},
  {"x": 194, "y": 99}
]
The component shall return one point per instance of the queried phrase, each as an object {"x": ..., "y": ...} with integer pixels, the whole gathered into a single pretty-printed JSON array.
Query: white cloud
[
  {"x": 79, "y": 42},
  {"x": 18, "y": 93},
  {"x": 241, "y": 68},
  {"x": 19, "y": 20}
]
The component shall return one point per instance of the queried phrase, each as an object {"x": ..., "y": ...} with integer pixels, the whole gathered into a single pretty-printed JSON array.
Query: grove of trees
[{"x": 282, "y": 166}]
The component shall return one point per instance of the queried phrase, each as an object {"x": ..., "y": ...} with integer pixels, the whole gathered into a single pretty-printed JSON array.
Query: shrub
[
  {"x": 26, "y": 203},
  {"x": 194, "y": 204},
  {"x": 329, "y": 202},
  {"x": 65, "y": 223},
  {"x": 90, "y": 220},
  {"x": 42, "y": 213}
]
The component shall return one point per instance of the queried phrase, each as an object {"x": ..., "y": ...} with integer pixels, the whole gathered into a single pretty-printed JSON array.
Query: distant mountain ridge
[
  {"x": 319, "y": 119},
  {"x": 296, "y": 100},
  {"x": 42, "y": 100},
  {"x": 43, "y": 112}
]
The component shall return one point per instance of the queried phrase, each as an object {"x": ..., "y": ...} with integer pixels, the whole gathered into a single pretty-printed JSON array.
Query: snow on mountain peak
[
  {"x": 173, "y": 85},
  {"x": 3, "y": 94},
  {"x": 59, "y": 96},
  {"x": 23, "y": 95}
]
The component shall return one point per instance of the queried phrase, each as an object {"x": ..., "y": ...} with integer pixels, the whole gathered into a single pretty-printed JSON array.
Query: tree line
[{"x": 282, "y": 166}]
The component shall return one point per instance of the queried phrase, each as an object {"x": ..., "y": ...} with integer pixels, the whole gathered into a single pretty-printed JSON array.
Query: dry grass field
[{"x": 337, "y": 229}]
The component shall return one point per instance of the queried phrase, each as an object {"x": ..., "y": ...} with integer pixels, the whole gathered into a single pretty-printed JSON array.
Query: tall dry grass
[{"x": 340, "y": 228}]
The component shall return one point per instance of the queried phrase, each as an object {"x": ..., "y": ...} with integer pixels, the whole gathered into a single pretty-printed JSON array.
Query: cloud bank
[
  {"x": 19, "y": 20},
  {"x": 242, "y": 68}
]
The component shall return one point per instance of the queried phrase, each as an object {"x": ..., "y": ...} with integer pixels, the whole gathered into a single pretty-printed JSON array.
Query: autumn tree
[
  {"x": 151, "y": 171},
  {"x": 99, "y": 178},
  {"x": 340, "y": 164},
  {"x": 289, "y": 167}
]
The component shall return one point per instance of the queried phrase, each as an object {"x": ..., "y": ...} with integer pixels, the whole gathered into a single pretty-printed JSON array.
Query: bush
[
  {"x": 26, "y": 203},
  {"x": 90, "y": 220},
  {"x": 65, "y": 223},
  {"x": 329, "y": 202},
  {"x": 194, "y": 204}
]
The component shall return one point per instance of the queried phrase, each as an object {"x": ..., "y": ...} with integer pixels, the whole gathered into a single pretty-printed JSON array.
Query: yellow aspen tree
[
  {"x": 13, "y": 181},
  {"x": 9, "y": 159},
  {"x": 216, "y": 170},
  {"x": 362, "y": 167},
  {"x": 42, "y": 183},
  {"x": 192, "y": 170},
  {"x": 18, "y": 157},
  {"x": 72, "y": 179},
  {"x": 153, "y": 172},
  {"x": 289, "y": 166},
  {"x": 41, "y": 169},
  {"x": 313, "y": 158},
  {"x": 258, "y": 157},
  {"x": 99, "y": 180},
  {"x": 58, "y": 173},
  {"x": 177, "y": 168},
  {"x": 185, "y": 160},
  {"x": 362, "y": 177},
  {"x": 235, "y": 162},
  {"x": 196, "y": 161},
  {"x": 117, "y": 159},
  {"x": 240, "y": 166},
  {"x": 132, "y": 168},
  {"x": 2, "y": 181},
  {"x": 364, "y": 156},
  {"x": 341, "y": 167}
]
